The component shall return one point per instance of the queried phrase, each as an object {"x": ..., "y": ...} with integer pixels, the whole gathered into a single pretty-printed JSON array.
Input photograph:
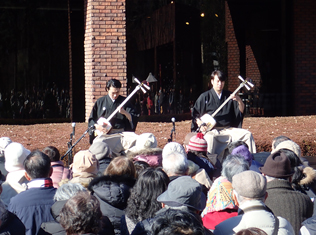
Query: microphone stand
[
  {"x": 69, "y": 144},
  {"x": 173, "y": 130},
  {"x": 70, "y": 147}
]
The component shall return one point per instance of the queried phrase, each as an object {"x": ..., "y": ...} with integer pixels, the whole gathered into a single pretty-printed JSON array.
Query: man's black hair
[
  {"x": 221, "y": 76},
  {"x": 37, "y": 165},
  {"x": 113, "y": 83}
]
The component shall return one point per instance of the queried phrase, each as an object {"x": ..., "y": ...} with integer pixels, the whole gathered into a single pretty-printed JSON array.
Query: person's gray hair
[
  {"x": 240, "y": 199},
  {"x": 232, "y": 165},
  {"x": 175, "y": 164},
  {"x": 66, "y": 191}
]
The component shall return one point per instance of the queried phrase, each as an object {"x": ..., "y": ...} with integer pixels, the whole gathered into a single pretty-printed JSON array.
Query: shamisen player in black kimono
[
  {"x": 228, "y": 119},
  {"x": 124, "y": 120}
]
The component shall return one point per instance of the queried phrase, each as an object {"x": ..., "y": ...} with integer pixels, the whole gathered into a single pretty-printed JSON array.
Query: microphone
[
  {"x": 73, "y": 128},
  {"x": 173, "y": 122}
]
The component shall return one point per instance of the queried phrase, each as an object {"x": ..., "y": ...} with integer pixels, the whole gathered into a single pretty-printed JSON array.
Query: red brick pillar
[
  {"x": 233, "y": 54},
  {"x": 252, "y": 69},
  {"x": 104, "y": 47},
  {"x": 304, "y": 29}
]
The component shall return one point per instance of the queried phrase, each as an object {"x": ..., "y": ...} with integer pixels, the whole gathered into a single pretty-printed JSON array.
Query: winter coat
[
  {"x": 14, "y": 184},
  {"x": 83, "y": 178},
  {"x": 53, "y": 226},
  {"x": 259, "y": 218},
  {"x": 103, "y": 164},
  {"x": 112, "y": 193},
  {"x": 309, "y": 226},
  {"x": 287, "y": 203},
  {"x": 202, "y": 162},
  {"x": 33, "y": 207},
  {"x": 11, "y": 224},
  {"x": 59, "y": 173}
]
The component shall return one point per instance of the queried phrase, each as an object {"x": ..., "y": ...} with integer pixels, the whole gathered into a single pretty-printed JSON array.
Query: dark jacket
[
  {"x": 208, "y": 102},
  {"x": 202, "y": 162},
  {"x": 112, "y": 193},
  {"x": 33, "y": 207},
  {"x": 103, "y": 164},
  {"x": 292, "y": 205},
  {"x": 11, "y": 224},
  {"x": 54, "y": 227}
]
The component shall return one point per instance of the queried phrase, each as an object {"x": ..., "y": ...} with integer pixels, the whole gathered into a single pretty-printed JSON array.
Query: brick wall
[
  {"x": 233, "y": 55},
  {"x": 304, "y": 30},
  {"x": 252, "y": 69},
  {"x": 104, "y": 47}
]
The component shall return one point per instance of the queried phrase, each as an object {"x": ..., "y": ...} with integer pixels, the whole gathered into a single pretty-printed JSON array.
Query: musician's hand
[
  {"x": 240, "y": 102},
  {"x": 101, "y": 128},
  {"x": 199, "y": 123},
  {"x": 203, "y": 128},
  {"x": 126, "y": 114},
  {"x": 236, "y": 98}
]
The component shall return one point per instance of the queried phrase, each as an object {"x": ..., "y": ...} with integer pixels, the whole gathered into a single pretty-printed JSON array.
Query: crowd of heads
[{"x": 177, "y": 196}]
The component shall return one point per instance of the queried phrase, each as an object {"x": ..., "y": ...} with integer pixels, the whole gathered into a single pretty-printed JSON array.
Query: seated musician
[
  {"x": 124, "y": 120},
  {"x": 228, "y": 119}
]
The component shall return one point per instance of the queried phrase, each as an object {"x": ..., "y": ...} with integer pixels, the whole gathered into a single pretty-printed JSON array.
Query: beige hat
[
  {"x": 250, "y": 184},
  {"x": 144, "y": 141},
  {"x": 290, "y": 145},
  {"x": 85, "y": 161},
  {"x": 100, "y": 149}
]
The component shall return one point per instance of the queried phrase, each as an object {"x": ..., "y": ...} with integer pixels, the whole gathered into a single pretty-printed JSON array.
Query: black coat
[
  {"x": 112, "y": 193},
  {"x": 103, "y": 164},
  {"x": 54, "y": 227},
  {"x": 11, "y": 224},
  {"x": 104, "y": 107},
  {"x": 208, "y": 102}
]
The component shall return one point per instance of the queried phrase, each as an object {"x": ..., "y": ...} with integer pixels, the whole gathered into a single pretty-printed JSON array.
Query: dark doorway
[{"x": 34, "y": 58}]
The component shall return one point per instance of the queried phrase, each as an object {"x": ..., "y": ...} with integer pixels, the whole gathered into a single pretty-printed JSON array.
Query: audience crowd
[{"x": 143, "y": 189}]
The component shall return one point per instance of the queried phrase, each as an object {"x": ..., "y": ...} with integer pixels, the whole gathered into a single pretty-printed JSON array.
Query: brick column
[
  {"x": 304, "y": 30},
  {"x": 252, "y": 69},
  {"x": 104, "y": 47},
  {"x": 233, "y": 54}
]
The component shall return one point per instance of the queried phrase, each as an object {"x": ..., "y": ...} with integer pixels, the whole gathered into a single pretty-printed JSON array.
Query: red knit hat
[{"x": 198, "y": 143}]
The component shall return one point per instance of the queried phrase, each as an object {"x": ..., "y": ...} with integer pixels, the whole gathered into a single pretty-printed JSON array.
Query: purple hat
[{"x": 243, "y": 151}]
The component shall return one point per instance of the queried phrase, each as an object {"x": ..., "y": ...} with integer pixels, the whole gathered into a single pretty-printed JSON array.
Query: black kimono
[
  {"x": 104, "y": 107},
  {"x": 208, "y": 102}
]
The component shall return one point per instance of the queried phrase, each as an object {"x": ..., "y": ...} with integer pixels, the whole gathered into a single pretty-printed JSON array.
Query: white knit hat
[
  {"x": 173, "y": 147},
  {"x": 4, "y": 142},
  {"x": 144, "y": 141},
  {"x": 15, "y": 154}
]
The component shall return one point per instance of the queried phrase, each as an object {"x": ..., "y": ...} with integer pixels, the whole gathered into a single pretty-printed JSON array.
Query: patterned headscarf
[{"x": 220, "y": 196}]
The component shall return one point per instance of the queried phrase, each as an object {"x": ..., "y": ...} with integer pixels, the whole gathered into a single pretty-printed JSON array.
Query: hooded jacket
[{"x": 112, "y": 193}]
